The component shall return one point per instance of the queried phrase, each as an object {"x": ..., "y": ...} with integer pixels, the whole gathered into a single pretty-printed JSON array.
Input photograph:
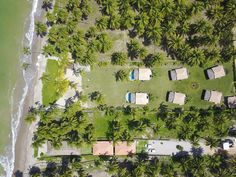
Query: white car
[
  {"x": 151, "y": 150},
  {"x": 148, "y": 146}
]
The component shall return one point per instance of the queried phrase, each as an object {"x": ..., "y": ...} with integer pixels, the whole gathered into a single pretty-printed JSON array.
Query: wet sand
[{"x": 24, "y": 153}]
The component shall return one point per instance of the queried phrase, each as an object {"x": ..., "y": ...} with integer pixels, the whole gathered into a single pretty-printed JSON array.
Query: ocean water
[{"x": 14, "y": 15}]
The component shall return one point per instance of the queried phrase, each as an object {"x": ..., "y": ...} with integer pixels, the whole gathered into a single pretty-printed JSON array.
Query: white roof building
[
  {"x": 144, "y": 74},
  {"x": 141, "y": 98},
  {"x": 216, "y": 72},
  {"x": 213, "y": 96},
  {"x": 177, "y": 98},
  {"x": 179, "y": 74}
]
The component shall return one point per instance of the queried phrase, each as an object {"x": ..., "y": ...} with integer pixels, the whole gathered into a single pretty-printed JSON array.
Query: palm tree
[
  {"x": 134, "y": 48},
  {"x": 91, "y": 32},
  {"x": 41, "y": 29},
  {"x": 152, "y": 59},
  {"x": 114, "y": 22},
  {"x": 214, "y": 162},
  {"x": 89, "y": 58},
  {"x": 127, "y": 19},
  {"x": 121, "y": 75},
  {"x": 104, "y": 42},
  {"x": 167, "y": 6},
  {"x": 30, "y": 118},
  {"x": 196, "y": 57},
  {"x": 85, "y": 8},
  {"x": 48, "y": 50},
  {"x": 175, "y": 41},
  {"x": 72, "y": 5},
  {"x": 154, "y": 33},
  {"x": 62, "y": 16},
  {"x": 26, "y": 51},
  {"x": 212, "y": 142},
  {"x": 96, "y": 96},
  {"x": 109, "y": 6},
  {"x": 102, "y": 23},
  {"x": 141, "y": 22},
  {"x": 139, "y": 4},
  {"x": 113, "y": 166},
  {"x": 197, "y": 7},
  {"x": 119, "y": 58},
  {"x": 47, "y": 5},
  {"x": 154, "y": 167}
]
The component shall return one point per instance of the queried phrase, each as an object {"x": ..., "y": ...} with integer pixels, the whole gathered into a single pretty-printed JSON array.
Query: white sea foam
[{"x": 7, "y": 161}]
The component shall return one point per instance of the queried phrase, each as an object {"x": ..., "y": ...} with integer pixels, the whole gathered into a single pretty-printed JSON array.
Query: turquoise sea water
[{"x": 13, "y": 14}]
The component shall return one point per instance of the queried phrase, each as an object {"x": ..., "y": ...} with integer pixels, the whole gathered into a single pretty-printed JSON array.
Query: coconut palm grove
[{"x": 133, "y": 71}]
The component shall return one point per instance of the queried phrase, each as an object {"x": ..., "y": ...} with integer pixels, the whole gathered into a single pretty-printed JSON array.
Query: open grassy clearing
[
  {"x": 49, "y": 91},
  {"x": 103, "y": 80},
  {"x": 101, "y": 124}
]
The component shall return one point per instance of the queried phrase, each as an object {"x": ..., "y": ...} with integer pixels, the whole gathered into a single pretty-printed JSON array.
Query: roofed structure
[
  {"x": 103, "y": 148},
  {"x": 216, "y": 72},
  {"x": 143, "y": 74},
  {"x": 177, "y": 98},
  {"x": 213, "y": 96},
  {"x": 141, "y": 98},
  {"x": 123, "y": 148},
  {"x": 179, "y": 74},
  {"x": 231, "y": 101}
]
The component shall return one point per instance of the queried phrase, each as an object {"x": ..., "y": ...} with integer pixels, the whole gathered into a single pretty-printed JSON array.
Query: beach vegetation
[
  {"x": 26, "y": 51},
  {"x": 41, "y": 29},
  {"x": 30, "y": 118},
  {"x": 25, "y": 65}
]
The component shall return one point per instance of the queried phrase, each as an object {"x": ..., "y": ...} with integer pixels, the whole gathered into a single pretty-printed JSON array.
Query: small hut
[
  {"x": 141, "y": 98},
  {"x": 142, "y": 74},
  {"x": 123, "y": 148},
  {"x": 178, "y": 74},
  {"x": 176, "y": 97},
  {"x": 103, "y": 148},
  {"x": 213, "y": 96},
  {"x": 216, "y": 72}
]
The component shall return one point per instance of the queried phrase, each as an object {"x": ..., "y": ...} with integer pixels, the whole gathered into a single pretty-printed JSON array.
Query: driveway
[{"x": 173, "y": 147}]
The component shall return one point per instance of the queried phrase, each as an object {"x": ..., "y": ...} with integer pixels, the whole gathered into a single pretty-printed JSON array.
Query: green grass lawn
[
  {"x": 101, "y": 124},
  {"x": 103, "y": 80},
  {"x": 49, "y": 91}
]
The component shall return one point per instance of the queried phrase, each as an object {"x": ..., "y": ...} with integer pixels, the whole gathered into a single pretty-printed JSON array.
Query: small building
[
  {"x": 176, "y": 97},
  {"x": 231, "y": 101},
  {"x": 216, "y": 72},
  {"x": 179, "y": 74},
  {"x": 137, "y": 98},
  {"x": 103, "y": 148},
  {"x": 212, "y": 96},
  {"x": 124, "y": 148},
  {"x": 142, "y": 74}
]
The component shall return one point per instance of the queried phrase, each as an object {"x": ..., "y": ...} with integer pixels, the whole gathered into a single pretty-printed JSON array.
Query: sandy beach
[{"x": 24, "y": 153}]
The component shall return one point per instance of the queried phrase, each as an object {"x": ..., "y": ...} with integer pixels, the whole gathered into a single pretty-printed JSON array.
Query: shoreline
[{"x": 24, "y": 153}]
